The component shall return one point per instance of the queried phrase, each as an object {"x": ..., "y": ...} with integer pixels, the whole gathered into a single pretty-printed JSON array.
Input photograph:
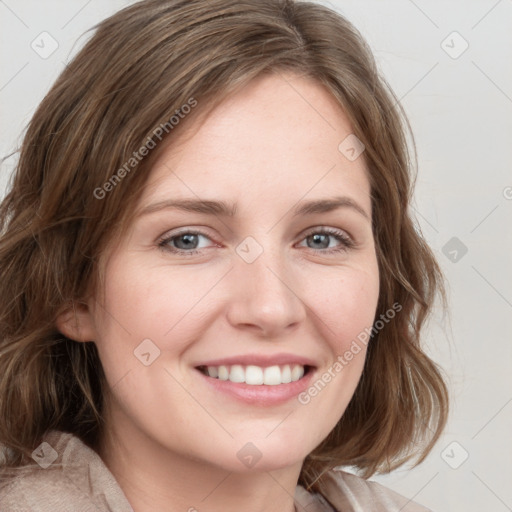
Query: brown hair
[{"x": 140, "y": 68}]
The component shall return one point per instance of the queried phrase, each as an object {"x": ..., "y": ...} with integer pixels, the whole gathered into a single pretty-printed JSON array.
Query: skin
[{"x": 174, "y": 439}]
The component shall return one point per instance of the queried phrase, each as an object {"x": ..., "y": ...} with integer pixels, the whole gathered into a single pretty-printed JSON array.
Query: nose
[{"x": 265, "y": 297}]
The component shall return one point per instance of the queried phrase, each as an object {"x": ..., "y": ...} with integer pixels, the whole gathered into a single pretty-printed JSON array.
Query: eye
[
  {"x": 185, "y": 243},
  {"x": 320, "y": 237}
]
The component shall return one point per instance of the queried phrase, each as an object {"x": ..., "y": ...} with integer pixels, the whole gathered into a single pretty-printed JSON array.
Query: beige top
[{"x": 74, "y": 478}]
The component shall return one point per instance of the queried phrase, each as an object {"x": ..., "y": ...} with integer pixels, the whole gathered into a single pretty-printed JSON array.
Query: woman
[{"x": 212, "y": 291}]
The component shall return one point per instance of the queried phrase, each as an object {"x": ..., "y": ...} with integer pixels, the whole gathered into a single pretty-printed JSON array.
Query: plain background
[{"x": 459, "y": 103}]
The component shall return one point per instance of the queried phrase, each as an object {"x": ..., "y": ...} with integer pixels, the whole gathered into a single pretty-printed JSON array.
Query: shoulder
[
  {"x": 349, "y": 493},
  {"x": 67, "y": 474}
]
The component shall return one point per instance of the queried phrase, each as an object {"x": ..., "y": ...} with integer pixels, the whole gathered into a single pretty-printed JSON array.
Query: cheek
[
  {"x": 345, "y": 311},
  {"x": 176, "y": 307},
  {"x": 163, "y": 304},
  {"x": 171, "y": 305},
  {"x": 346, "y": 305}
]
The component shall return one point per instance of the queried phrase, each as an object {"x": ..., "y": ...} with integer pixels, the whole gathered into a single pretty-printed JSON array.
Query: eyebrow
[{"x": 224, "y": 209}]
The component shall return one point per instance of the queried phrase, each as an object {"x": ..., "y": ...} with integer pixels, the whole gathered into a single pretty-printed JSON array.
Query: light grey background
[{"x": 460, "y": 105}]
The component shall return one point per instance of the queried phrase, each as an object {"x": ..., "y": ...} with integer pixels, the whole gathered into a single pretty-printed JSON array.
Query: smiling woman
[{"x": 240, "y": 315}]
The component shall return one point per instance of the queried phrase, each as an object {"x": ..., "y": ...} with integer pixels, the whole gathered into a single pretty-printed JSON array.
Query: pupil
[
  {"x": 188, "y": 239},
  {"x": 317, "y": 238}
]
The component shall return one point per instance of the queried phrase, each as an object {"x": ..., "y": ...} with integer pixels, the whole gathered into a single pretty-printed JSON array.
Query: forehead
[{"x": 276, "y": 138}]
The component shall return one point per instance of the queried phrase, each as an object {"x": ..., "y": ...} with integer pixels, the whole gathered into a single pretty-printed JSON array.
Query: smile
[{"x": 256, "y": 375}]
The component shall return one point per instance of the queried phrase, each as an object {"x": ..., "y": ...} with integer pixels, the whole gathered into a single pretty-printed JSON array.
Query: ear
[{"x": 75, "y": 321}]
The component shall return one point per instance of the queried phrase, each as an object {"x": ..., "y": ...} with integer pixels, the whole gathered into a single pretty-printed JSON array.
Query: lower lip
[{"x": 263, "y": 395}]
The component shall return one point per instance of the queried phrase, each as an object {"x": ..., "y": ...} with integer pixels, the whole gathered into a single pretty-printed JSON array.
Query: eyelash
[{"x": 346, "y": 241}]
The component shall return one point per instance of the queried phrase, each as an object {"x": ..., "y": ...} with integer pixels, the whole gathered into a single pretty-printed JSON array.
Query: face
[{"x": 251, "y": 285}]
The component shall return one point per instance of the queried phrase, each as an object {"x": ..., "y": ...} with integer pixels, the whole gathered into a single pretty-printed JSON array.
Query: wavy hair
[{"x": 137, "y": 70}]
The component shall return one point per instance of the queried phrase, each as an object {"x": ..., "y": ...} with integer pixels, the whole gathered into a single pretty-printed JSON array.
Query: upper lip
[{"x": 259, "y": 360}]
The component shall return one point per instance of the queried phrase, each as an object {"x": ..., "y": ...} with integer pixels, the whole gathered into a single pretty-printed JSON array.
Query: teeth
[
  {"x": 236, "y": 374},
  {"x": 286, "y": 374},
  {"x": 223, "y": 372},
  {"x": 297, "y": 372},
  {"x": 256, "y": 375},
  {"x": 253, "y": 375},
  {"x": 272, "y": 376}
]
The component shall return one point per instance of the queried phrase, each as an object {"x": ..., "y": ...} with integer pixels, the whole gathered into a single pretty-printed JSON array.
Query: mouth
[
  {"x": 263, "y": 380},
  {"x": 253, "y": 375}
]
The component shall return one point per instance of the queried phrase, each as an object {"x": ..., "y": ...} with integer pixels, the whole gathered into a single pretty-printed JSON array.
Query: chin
[{"x": 270, "y": 453}]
